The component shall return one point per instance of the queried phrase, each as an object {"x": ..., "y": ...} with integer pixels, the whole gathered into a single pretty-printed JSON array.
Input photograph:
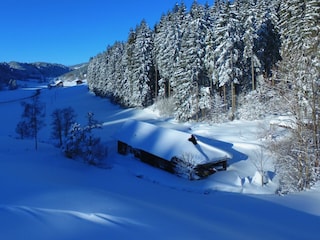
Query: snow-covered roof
[{"x": 167, "y": 143}]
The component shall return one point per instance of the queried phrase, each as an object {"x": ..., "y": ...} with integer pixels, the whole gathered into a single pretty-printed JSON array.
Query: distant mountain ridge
[{"x": 38, "y": 71}]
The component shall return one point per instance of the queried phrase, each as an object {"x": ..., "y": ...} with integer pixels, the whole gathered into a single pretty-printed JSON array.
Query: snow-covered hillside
[{"x": 47, "y": 196}]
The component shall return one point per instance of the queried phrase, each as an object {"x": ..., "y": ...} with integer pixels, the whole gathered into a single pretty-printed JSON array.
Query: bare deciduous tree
[
  {"x": 261, "y": 158},
  {"x": 185, "y": 166},
  {"x": 62, "y": 120},
  {"x": 32, "y": 119}
]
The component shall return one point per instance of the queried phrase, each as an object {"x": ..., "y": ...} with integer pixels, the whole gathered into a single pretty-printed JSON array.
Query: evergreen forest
[
  {"x": 207, "y": 61},
  {"x": 242, "y": 59}
]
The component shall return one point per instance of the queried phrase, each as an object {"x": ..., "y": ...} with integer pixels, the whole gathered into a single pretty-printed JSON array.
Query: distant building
[
  {"x": 79, "y": 82},
  {"x": 57, "y": 83}
]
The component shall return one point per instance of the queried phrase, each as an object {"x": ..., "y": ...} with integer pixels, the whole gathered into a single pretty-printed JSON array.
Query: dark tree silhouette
[
  {"x": 32, "y": 119},
  {"x": 62, "y": 120}
]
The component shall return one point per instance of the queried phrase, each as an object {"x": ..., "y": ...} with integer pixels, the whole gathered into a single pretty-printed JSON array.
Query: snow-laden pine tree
[
  {"x": 205, "y": 102},
  {"x": 127, "y": 81},
  {"x": 92, "y": 74},
  {"x": 251, "y": 62},
  {"x": 190, "y": 72},
  {"x": 167, "y": 45},
  {"x": 210, "y": 16},
  {"x": 202, "y": 24},
  {"x": 268, "y": 46},
  {"x": 106, "y": 80},
  {"x": 142, "y": 67},
  {"x": 228, "y": 53},
  {"x": 162, "y": 55},
  {"x": 118, "y": 69},
  {"x": 97, "y": 72}
]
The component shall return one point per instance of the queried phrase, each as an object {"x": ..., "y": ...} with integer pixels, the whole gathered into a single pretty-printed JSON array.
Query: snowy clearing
[{"x": 47, "y": 196}]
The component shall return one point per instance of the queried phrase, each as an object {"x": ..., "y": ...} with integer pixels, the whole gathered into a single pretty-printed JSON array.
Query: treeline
[{"x": 199, "y": 59}]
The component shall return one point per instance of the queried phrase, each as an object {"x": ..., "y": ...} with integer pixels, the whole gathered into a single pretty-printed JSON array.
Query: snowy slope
[{"x": 46, "y": 196}]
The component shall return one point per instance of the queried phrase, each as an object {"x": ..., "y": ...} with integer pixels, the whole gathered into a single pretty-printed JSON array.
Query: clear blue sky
[{"x": 71, "y": 31}]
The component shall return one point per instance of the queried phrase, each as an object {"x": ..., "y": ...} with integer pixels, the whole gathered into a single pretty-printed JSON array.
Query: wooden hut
[{"x": 174, "y": 151}]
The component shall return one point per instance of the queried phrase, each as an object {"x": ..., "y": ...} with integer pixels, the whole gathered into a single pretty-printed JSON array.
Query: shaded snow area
[{"x": 47, "y": 196}]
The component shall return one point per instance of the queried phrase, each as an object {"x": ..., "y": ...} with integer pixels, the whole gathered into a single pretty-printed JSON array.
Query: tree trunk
[
  {"x": 156, "y": 83},
  {"x": 233, "y": 97},
  {"x": 225, "y": 97},
  {"x": 252, "y": 76},
  {"x": 36, "y": 132}
]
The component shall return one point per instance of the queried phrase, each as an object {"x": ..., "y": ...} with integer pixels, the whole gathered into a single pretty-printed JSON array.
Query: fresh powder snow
[{"x": 47, "y": 196}]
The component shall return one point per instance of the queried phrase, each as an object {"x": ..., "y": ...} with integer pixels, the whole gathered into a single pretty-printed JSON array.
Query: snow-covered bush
[
  {"x": 81, "y": 143},
  {"x": 296, "y": 164},
  {"x": 72, "y": 144},
  {"x": 165, "y": 106},
  {"x": 260, "y": 103}
]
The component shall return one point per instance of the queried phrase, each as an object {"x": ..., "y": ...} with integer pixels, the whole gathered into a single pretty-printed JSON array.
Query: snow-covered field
[{"x": 46, "y": 196}]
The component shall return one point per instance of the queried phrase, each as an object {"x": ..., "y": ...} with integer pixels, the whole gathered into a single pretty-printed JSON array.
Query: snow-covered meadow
[{"x": 47, "y": 196}]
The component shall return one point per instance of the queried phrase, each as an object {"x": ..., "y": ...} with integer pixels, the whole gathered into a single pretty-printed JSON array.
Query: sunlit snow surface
[{"x": 46, "y": 196}]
